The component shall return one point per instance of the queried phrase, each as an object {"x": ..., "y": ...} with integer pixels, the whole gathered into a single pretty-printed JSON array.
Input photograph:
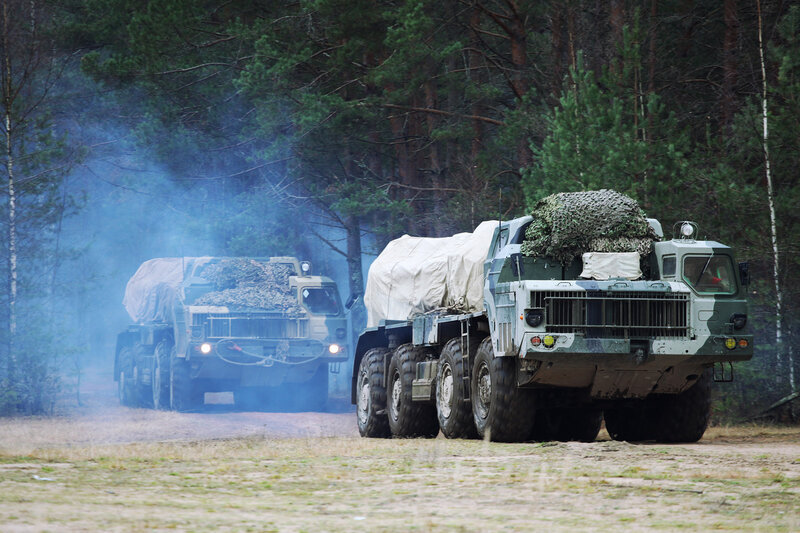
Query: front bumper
[
  {"x": 624, "y": 368},
  {"x": 268, "y": 352}
]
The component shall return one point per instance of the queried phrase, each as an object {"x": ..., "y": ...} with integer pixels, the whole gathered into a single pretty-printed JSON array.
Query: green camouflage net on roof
[
  {"x": 251, "y": 284},
  {"x": 566, "y": 225}
]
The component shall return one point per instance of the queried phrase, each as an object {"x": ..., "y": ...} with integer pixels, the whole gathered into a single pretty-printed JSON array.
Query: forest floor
[{"x": 111, "y": 468}]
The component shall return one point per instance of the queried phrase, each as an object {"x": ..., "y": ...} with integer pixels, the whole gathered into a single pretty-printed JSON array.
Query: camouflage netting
[
  {"x": 250, "y": 283},
  {"x": 566, "y": 225}
]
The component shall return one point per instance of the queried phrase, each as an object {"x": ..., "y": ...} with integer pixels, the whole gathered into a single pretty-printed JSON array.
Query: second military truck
[
  {"x": 265, "y": 329},
  {"x": 537, "y": 328}
]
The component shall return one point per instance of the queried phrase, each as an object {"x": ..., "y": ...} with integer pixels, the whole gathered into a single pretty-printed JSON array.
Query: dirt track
[
  {"x": 102, "y": 466},
  {"x": 100, "y": 420}
]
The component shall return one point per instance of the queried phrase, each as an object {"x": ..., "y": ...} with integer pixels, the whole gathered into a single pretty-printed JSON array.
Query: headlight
[
  {"x": 739, "y": 320},
  {"x": 205, "y": 348},
  {"x": 534, "y": 317},
  {"x": 334, "y": 349}
]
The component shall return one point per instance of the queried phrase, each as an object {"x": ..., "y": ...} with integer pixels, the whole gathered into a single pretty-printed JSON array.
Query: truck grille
[
  {"x": 625, "y": 315},
  {"x": 244, "y": 326}
]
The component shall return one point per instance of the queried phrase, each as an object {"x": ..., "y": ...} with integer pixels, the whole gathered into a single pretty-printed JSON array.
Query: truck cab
[{"x": 618, "y": 337}]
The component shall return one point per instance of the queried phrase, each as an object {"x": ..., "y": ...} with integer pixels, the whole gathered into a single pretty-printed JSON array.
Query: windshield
[
  {"x": 709, "y": 273},
  {"x": 321, "y": 300}
]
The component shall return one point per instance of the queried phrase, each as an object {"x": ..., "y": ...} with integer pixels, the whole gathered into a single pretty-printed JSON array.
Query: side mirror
[
  {"x": 351, "y": 301},
  {"x": 744, "y": 274}
]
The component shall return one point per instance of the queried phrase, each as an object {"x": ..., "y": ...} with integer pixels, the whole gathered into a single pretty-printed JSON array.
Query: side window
[
  {"x": 711, "y": 274},
  {"x": 668, "y": 266}
]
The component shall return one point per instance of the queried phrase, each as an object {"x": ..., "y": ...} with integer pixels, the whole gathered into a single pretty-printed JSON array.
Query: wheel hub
[
  {"x": 121, "y": 386},
  {"x": 397, "y": 389},
  {"x": 363, "y": 400},
  {"x": 445, "y": 391},
  {"x": 157, "y": 386},
  {"x": 484, "y": 386}
]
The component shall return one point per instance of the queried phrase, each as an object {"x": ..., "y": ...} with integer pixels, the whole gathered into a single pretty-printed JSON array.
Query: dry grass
[{"x": 726, "y": 481}]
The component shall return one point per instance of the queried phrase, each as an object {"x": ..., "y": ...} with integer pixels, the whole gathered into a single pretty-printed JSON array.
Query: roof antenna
[{"x": 500, "y": 211}]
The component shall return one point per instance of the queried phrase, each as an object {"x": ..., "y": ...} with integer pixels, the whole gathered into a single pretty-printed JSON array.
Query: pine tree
[{"x": 35, "y": 159}]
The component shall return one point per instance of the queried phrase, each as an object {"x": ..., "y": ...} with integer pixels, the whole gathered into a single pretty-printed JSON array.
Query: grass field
[{"x": 742, "y": 478}]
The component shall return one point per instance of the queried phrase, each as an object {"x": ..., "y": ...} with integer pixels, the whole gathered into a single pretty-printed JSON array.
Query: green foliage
[
  {"x": 394, "y": 117},
  {"x": 599, "y": 136}
]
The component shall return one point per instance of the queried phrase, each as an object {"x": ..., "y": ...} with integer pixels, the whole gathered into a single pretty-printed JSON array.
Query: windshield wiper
[{"x": 704, "y": 270}]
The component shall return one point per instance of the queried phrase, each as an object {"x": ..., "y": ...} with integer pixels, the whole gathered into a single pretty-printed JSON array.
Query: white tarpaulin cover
[
  {"x": 415, "y": 275},
  {"x": 152, "y": 290},
  {"x": 602, "y": 266}
]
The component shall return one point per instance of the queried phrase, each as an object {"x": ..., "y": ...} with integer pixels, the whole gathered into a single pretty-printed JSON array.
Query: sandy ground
[
  {"x": 99, "y": 420},
  {"x": 100, "y": 466}
]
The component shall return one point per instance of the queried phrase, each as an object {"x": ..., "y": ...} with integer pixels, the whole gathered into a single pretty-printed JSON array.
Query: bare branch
[
  {"x": 326, "y": 241},
  {"x": 444, "y": 113}
]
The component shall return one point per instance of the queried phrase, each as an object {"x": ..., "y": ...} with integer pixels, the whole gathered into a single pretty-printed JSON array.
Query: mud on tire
[
  {"x": 160, "y": 374},
  {"x": 183, "y": 396},
  {"x": 568, "y": 424},
  {"x": 126, "y": 389},
  {"x": 371, "y": 395},
  {"x": 501, "y": 410},
  {"x": 631, "y": 421},
  {"x": 684, "y": 417},
  {"x": 407, "y": 418}
]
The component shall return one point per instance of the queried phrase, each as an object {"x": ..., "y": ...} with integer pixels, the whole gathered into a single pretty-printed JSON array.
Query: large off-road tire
[
  {"x": 545, "y": 426},
  {"x": 453, "y": 411},
  {"x": 581, "y": 425},
  {"x": 631, "y": 421},
  {"x": 126, "y": 389},
  {"x": 160, "y": 374},
  {"x": 684, "y": 417},
  {"x": 408, "y": 418},
  {"x": 371, "y": 395},
  {"x": 569, "y": 424},
  {"x": 250, "y": 399},
  {"x": 502, "y": 411},
  {"x": 313, "y": 394},
  {"x": 183, "y": 394},
  {"x": 143, "y": 396}
]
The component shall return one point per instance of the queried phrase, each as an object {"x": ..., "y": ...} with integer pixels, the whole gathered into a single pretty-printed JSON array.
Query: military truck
[
  {"x": 265, "y": 329},
  {"x": 523, "y": 330}
]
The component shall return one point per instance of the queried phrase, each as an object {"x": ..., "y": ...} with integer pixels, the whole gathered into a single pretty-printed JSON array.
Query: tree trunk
[
  {"x": 8, "y": 95},
  {"x": 616, "y": 20},
  {"x": 519, "y": 59},
  {"x": 557, "y": 48},
  {"x": 729, "y": 65},
  {"x": 477, "y": 65},
  {"x": 573, "y": 56},
  {"x": 772, "y": 217},
  {"x": 651, "y": 60},
  {"x": 354, "y": 274}
]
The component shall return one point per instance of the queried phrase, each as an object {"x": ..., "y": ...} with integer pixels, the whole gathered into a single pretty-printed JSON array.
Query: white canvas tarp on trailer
[
  {"x": 414, "y": 275},
  {"x": 155, "y": 286}
]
